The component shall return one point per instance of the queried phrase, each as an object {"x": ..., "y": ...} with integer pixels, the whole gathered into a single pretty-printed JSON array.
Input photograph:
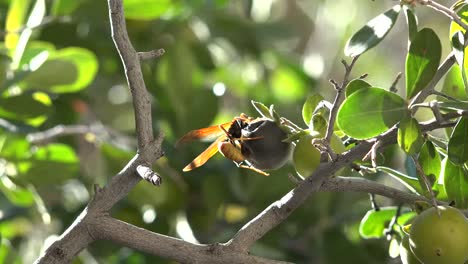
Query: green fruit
[
  {"x": 407, "y": 257},
  {"x": 306, "y": 157},
  {"x": 440, "y": 239}
]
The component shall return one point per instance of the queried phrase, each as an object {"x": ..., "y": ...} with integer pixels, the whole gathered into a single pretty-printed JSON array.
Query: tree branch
[
  {"x": 131, "y": 63},
  {"x": 140, "y": 239},
  {"x": 281, "y": 209}
]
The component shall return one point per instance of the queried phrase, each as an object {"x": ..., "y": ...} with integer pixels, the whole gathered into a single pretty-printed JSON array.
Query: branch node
[{"x": 153, "y": 54}]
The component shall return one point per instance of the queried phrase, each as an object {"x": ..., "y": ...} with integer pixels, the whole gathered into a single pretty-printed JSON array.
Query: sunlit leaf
[
  {"x": 458, "y": 143},
  {"x": 375, "y": 222},
  {"x": 15, "y": 19},
  {"x": 379, "y": 108},
  {"x": 24, "y": 106},
  {"x": 51, "y": 164},
  {"x": 456, "y": 183},
  {"x": 454, "y": 105},
  {"x": 66, "y": 71},
  {"x": 146, "y": 9},
  {"x": 16, "y": 194},
  {"x": 422, "y": 61},
  {"x": 409, "y": 182},
  {"x": 430, "y": 161},
  {"x": 262, "y": 109},
  {"x": 355, "y": 85},
  {"x": 309, "y": 107},
  {"x": 372, "y": 33},
  {"x": 34, "y": 19},
  {"x": 409, "y": 135},
  {"x": 453, "y": 84},
  {"x": 458, "y": 40},
  {"x": 412, "y": 22}
]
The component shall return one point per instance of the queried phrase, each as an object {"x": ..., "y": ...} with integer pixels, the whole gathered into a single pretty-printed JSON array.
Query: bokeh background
[{"x": 220, "y": 54}]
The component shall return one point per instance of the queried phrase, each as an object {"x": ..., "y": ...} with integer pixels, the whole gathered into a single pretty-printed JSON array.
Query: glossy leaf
[
  {"x": 34, "y": 19},
  {"x": 24, "y": 106},
  {"x": 374, "y": 222},
  {"x": 14, "y": 20},
  {"x": 458, "y": 40},
  {"x": 67, "y": 70},
  {"x": 454, "y": 105},
  {"x": 51, "y": 164},
  {"x": 309, "y": 107},
  {"x": 262, "y": 109},
  {"x": 372, "y": 33},
  {"x": 412, "y": 22},
  {"x": 430, "y": 161},
  {"x": 379, "y": 108},
  {"x": 16, "y": 194},
  {"x": 409, "y": 182},
  {"x": 355, "y": 85},
  {"x": 422, "y": 61},
  {"x": 453, "y": 84},
  {"x": 454, "y": 26},
  {"x": 456, "y": 183},
  {"x": 409, "y": 135},
  {"x": 458, "y": 143}
]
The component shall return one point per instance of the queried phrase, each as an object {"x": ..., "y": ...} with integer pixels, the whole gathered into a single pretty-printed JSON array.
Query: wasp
[{"x": 255, "y": 144}]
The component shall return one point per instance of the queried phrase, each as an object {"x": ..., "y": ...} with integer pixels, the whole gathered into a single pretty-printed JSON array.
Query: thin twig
[
  {"x": 444, "y": 10},
  {"x": 338, "y": 98},
  {"x": 153, "y": 54}
]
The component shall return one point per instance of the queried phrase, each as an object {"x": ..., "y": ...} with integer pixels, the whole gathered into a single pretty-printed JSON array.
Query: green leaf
[
  {"x": 410, "y": 138},
  {"x": 372, "y": 33},
  {"x": 309, "y": 107},
  {"x": 453, "y": 105},
  {"x": 13, "y": 147},
  {"x": 262, "y": 109},
  {"x": 146, "y": 9},
  {"x": 355, "y": 85},
  {"x": 374, "y": 222},
  {"x": 422, "y": 61},
  {"x": 429, "y": 159},
  {"x": 458, "y": 40},
  {"x": 379, "y": 108},
  {"x": 66, "y": 71},
  {"x": 16, "y": 194},
  {"x": 14, "y": 20},
  {"x": 458, "y": 143},
  {"x": 454, "y": 26},
  {"x": 51, "y": 164},
  {"x": 25, "y": 106},
  {"x": 456, "y": 183},
  {"x": 412, "y": 22},
  {"x": 64, "y": 7},
  {"x": 34, "y": 19},
  {"x": 409, "y": 182},
  {"x": 453, "y": 84}
]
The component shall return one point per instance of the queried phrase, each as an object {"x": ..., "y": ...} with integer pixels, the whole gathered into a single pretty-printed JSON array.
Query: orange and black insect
[{"x": 255, "y": 144}]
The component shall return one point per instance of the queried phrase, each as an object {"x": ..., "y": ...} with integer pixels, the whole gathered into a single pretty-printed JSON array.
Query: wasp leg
[{"x": 250, "y": 167}]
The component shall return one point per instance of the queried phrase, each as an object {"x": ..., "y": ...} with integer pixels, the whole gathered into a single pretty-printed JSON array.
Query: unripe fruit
[
  {"x": 306, "y": 157},
  {"x": 440, "y": 239},
  {"x": 406, "y": 256}
]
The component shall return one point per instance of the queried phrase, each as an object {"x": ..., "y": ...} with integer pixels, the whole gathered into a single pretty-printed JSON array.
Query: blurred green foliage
[{"x": 59, "y": 66}]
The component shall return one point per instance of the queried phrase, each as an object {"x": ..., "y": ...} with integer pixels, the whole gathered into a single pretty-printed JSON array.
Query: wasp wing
[
  {"x": 205, "y": 155},
  {"x": 206, "y": 134}
]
